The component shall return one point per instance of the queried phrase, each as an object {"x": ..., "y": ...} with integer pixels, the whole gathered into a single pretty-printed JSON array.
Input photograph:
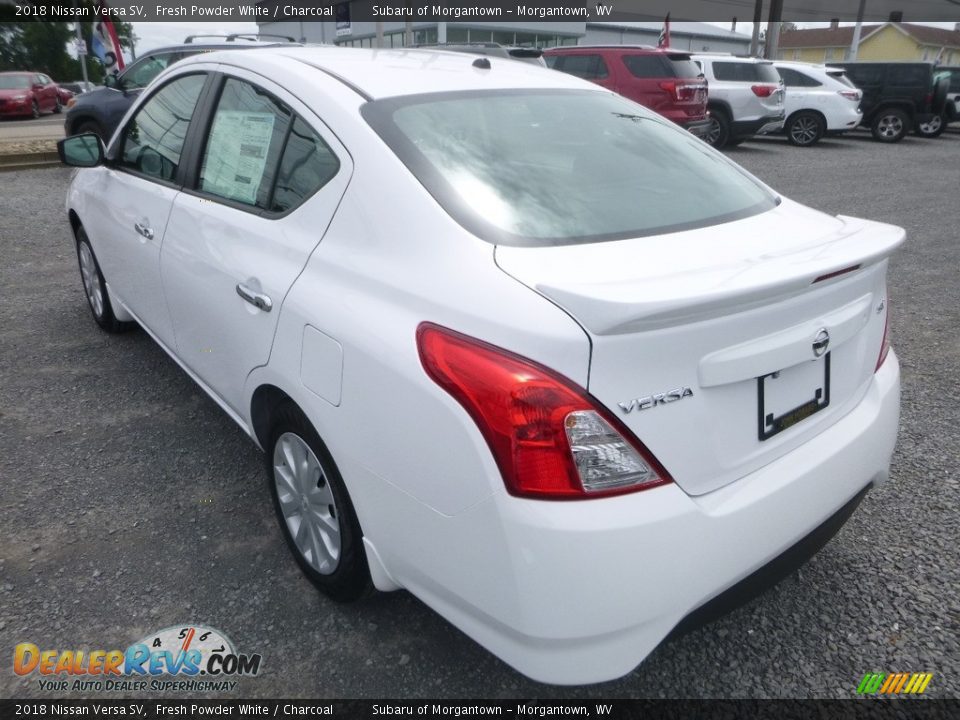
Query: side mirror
[
  {"x": 38, "y": 86},
  {"x": 111, "y": 81},
  {"x": 81, "y": 150}
]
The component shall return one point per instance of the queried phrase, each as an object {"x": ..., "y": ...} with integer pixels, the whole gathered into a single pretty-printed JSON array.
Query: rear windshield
[
  {"x": 14, "y": 82},
  {"x": 745, "y": 72},
  {"x": 684, "y": 67},
  {"x": 552, "y": 167}
]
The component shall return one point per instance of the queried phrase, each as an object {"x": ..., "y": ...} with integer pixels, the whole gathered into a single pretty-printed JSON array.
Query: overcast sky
[{"x": 157, "y": 34}]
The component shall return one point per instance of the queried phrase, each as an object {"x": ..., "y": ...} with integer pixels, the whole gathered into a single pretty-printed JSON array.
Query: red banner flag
[{"x": 105, "y": 43}]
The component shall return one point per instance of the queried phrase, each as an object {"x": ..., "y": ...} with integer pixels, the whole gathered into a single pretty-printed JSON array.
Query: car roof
[
  {"x": 18, "y": 72},
  {"x": 574, "y": 48},
  {"x": 379, "y": 73}
]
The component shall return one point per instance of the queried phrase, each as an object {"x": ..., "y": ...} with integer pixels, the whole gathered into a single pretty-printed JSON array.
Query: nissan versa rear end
[{"x": 511, "y": 341}]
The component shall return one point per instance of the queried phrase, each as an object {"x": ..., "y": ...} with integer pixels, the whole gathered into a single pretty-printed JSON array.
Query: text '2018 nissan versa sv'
[{"x": 495, "y": 350}]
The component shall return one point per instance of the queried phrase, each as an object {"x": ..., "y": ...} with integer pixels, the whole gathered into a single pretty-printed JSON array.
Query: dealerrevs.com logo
[{"x": 187, "y": 658}]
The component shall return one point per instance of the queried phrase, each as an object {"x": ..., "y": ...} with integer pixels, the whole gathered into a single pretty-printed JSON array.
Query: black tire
[
  {"x": 34, "y": 110},
  {"x": 932, "y": 129},
  {"x": 102, "y": 311},
  {"x": 58, "y": 108},
  {"x": 719, "y": 133},
  {"x": 890, "y": 125},
  {"x": 805, "y": 128},
  {"x": 90, "y": 126},
  {"x": 349, "y": 579}
]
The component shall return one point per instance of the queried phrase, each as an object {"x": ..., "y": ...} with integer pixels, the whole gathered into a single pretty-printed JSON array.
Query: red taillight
[
  {"x": 850, "y": 94},
  {"x": 669, "y": 86},
  {"x": 885, "y": 343},
  {"x": 763, "y": 90},
  {"x": 550, "y": 439}
]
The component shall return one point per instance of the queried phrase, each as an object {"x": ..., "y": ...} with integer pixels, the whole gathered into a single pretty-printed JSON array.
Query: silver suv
[{"x": 745, "y": 98}]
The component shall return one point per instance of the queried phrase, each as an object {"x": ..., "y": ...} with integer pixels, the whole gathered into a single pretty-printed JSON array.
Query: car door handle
[
  {"x": 256, "y": 299},
  {"x": 141, "y": 228}
]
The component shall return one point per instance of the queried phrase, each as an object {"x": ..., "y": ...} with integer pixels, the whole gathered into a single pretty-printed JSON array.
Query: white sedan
[{"x": 508, "y": 340}]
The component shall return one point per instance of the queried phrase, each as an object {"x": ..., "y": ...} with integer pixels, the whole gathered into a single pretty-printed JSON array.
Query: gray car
[{"x": 101, "y": 110}]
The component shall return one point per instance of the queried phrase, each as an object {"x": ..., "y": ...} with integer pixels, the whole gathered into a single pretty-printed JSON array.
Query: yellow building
[{"x": 890, "y": 41}]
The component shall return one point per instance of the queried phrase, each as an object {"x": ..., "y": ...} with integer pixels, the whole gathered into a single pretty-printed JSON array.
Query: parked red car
[
  {"x": 666, "y": 81},
  {"x": 28, "y": 93}
]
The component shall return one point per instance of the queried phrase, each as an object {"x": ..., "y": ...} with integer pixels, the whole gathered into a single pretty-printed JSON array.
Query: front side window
[
  {"x": 153, "y": 139},
  {"x": 244, "y": 145},
  {"x": 545, "y": 167}
]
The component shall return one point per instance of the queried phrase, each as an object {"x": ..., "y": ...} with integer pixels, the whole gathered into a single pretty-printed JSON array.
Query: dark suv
[
  {"x": 899, "y": 97},
  {"x": 101, "y": 110},
  {"x": 665, "y": 81}
]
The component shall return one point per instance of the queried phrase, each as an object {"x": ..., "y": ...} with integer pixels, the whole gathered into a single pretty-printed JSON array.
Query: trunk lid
[{"x": 731, "y": 314}]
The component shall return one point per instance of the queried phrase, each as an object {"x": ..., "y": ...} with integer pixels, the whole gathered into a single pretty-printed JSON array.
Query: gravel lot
[{"x": 130, "y": 502}]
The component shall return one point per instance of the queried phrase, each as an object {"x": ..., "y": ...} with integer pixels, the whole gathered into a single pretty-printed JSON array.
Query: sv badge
[{"x": 645, "y": 403}]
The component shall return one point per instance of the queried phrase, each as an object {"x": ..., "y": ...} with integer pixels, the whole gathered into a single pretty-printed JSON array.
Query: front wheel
[
  {"x": 805, "y": 129},
  {"x": 933, "y": 128},
  {"x": 890, "y": 126},
  {"x": 95, "y": 287},
  {"x": 34, "y": 110},
  {"x": 315, "y": 512},
  {"x": 58, "y": 108}
]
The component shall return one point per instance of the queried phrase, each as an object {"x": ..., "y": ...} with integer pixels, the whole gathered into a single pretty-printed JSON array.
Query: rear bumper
[
  {"x": 760, "y": 126},
  {"x": 700, "y": 128},
  {"x": 580, "y": 592}
]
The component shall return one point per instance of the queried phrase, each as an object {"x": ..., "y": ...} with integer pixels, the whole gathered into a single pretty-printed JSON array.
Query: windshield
[
  {"x": 546, "y": 167},
  {"x": 14, "y": 82}
]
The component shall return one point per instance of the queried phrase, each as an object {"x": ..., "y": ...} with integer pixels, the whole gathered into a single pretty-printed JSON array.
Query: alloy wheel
[
  {"x": 713, "y": 134},
  {"x": 307, "y": 503},
  {"x": 35, "y": 109},
  {"x": 930, "y": 128},
  {"x": 91, "y": 279},
  {"x": 804, "y": 130},
  {"x": 890, "y": 126}
]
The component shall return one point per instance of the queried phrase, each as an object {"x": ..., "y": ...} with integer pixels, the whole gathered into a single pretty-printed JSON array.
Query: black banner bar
[
  {"x": 387, "y": 709},
  {"x": 485, "y": 11}
]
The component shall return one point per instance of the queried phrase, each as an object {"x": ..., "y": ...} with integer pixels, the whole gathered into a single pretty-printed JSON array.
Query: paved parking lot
[{"x": 130, "y": 502}]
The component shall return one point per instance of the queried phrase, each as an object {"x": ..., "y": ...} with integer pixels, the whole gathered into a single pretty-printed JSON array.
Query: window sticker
[{"x": 237, "y": 154}]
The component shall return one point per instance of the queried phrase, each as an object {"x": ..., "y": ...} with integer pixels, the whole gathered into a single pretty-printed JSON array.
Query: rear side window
[
  {"x": 684, "y": 67},
  {"x": 910, "y": 75},
  {"x": 955, "y": 81},
  {"x": 153, "y": 139},
  {"x": 145, "y": 70},
  {"x": 795, "y": 78},
  {"x": 745, "y": 72},
  {"x": 244, "y": 144},
  {"x": 518, "y": 168},
  {"x": 308, "y": 164},
  {"x": 647, "y": 66},
  {"x": 866, "y": 74},
  {"x": 588, "y": 67}
]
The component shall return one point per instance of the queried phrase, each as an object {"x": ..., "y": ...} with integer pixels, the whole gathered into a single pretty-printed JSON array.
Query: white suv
[
  {"x": 746, "y": 98},
  {"x": 820, "y": 101}
]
